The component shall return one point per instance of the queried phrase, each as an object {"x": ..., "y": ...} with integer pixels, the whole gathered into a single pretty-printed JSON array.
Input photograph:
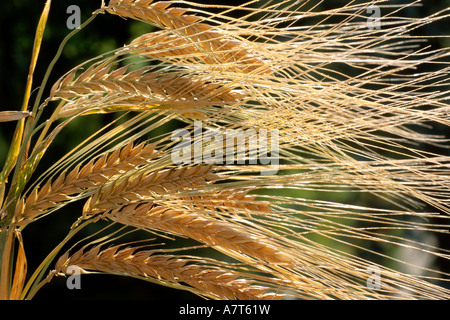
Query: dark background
[{"x": 18, "y": 20}]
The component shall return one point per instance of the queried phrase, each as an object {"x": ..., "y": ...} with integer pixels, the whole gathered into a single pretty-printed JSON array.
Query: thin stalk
[
  {"x": 7, "y": 249},
  {"x": 37, "y": 112},
  {"x": 34, "y": 283},
  {"x": 13, "y": 152},
  {"x": 31, "y": 124}
]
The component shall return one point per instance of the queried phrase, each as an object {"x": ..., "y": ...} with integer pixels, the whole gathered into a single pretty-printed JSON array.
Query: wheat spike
[
  {"x": 100, "y": 90},
  {"x": 212, "y": 282},
  {"x": 220, "y": 234},
  {"x": 147, "y": 185},
  {"x": 88, "y": 177},
  {"x": 210, "y": 46},
  {"x": 169, "y": 46}
]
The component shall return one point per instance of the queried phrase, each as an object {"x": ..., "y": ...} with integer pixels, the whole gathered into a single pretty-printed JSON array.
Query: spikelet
[{"x": 190, "y": 33}]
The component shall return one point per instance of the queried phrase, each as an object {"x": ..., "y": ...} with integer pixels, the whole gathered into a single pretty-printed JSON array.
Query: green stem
[
  {"x": 16, "y": 143},
  {"x": 55, "y": 59},
  {"x": 36, "y": 112},
  {"x": 35, "y": 283},
  {"x": 6, "y": 252}
]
